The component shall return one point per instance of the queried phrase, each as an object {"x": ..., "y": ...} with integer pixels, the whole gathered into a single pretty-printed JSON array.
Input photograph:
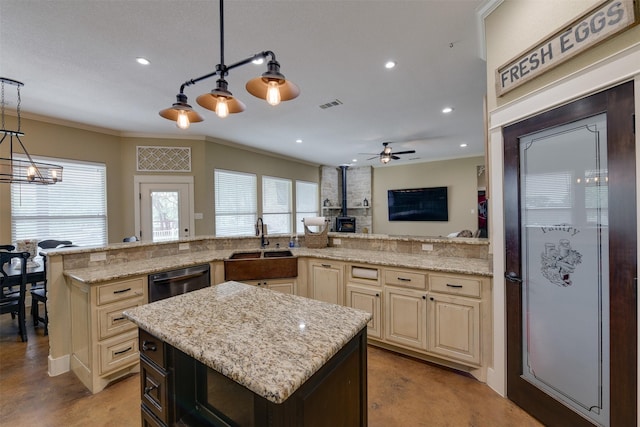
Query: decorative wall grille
[{"x": 163, "y": 159}]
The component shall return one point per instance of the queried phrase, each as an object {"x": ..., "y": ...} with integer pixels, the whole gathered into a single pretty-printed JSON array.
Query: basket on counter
[{"x": 316, "y": 239}]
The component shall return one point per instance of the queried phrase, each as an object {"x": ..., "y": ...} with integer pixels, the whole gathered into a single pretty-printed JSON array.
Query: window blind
[
  {"x": 276, "y": 204},
  {"x": 306, "y": 202},
  {"x": 235, "y": 203},
  {"x": 74, "y": 209}
]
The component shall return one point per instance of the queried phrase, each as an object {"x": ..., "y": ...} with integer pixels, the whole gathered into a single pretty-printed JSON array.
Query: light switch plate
[
  {"x": 183, "y": 246},
  {"x": 198, "y": 215},
  {"x": 427, "y": 247},
  {"x": 337, "y": 241}
]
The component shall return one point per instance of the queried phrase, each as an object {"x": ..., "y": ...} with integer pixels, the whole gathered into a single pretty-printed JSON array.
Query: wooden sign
[{"x": 598, "y": 24}]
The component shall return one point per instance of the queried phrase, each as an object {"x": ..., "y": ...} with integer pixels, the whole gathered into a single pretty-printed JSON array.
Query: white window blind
[
  {"x": 235, "y": 203},
  {"x": 74, "y": 209},
  {"x": 306, "y": 202},
  {"x": 276, "y": 204}
]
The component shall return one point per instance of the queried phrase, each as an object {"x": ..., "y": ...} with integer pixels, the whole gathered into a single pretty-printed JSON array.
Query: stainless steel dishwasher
[{"x": 175, "y": 282}]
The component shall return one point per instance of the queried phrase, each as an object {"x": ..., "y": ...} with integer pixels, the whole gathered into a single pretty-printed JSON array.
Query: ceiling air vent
[{"x": 333, "y": 103}]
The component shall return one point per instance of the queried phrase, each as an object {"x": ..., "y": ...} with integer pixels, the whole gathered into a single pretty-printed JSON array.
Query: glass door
[
  {"x": 570, "y": 229},
  {"x": 164, "y": 211}
]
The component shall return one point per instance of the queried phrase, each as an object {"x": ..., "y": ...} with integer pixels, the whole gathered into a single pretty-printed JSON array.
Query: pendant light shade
[
  {"x": 181, "y": 112},
  {"x": 218, "y": 97},
  {"x": 271, "y": 86},
  {"x": 272, "y": 80}
]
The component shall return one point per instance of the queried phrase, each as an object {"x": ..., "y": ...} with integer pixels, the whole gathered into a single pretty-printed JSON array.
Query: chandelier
[
  {"x": 271, "y": 86},
  {"x": 15, "y": 170}
]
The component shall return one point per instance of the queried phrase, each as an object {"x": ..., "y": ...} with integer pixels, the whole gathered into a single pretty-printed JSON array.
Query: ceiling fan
[{"x": 386, "y": 155}]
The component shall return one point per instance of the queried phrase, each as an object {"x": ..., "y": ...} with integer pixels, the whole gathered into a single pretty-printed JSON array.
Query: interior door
[
  {"x": 570, "y": 229},
  {"x": 164, "y": 211}
]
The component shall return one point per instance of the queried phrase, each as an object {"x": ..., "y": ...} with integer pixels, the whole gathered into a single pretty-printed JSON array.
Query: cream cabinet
[
  {"x": 455, "y": 320},
  {"x": 405, "y": 317},
  {"x": 286, "y": 286},
  {"x": 104, "y": 343},
  {"x": 364, "y": 292},
  {"x": 326, "y": 281}
]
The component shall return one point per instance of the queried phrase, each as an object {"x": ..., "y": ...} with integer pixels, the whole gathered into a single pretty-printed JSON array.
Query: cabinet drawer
[
  {"x": 407, "y": 279},
  {"x": 149, "y": 420},
  {"x": 154, "y": 391},
  {"x": 455, "y": 285},
  {"x": 111, "y": 321},
  {"x": 120, "y": 290},
  {"x": 152, "y": 348},
  {"x": 118, "y": 352}
]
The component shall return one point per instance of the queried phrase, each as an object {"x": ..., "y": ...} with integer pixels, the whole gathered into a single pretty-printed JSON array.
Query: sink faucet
[{"x": 260, "y": 232}]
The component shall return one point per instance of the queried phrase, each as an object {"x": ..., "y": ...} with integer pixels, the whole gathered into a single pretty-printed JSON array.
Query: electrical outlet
[
  {"x": 183, "y": 246},
  {"x": 427, "y": 247},
  {"x": 337, "y": 242},
  {"x": 98, "y": 256}
]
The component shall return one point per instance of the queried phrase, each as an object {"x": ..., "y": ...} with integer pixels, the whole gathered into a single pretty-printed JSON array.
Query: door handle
[{"x": 513, "y": 277}]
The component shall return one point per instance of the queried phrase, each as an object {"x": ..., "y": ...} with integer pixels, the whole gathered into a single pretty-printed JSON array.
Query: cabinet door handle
[
  {"x": 377, "y": 295},
  {"x": 116, "y": 353},
  {"x": 121, "y": 291},
  {"x": 402, "y": 279},
  {"x": 149, "y": 346},
  {"x": 117, "y": 319},
  {"x": 432, "y": 299},
  {"x": 424, "y": 297},
  {"x": 326, "y": 265},
  {"x": 149, "y": 389},
  {"x": 449, "y": 285}
]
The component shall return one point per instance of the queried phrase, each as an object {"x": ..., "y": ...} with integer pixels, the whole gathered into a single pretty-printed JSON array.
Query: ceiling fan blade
[
  {"x": 394, "y": 157},
  {"x": 374, "y": 157},
  {"x": 404, "y": 152}
]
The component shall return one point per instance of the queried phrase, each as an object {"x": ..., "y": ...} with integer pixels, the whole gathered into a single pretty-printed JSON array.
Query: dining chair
[
  {"x": 39, "y": 295},
  {"x": 7, "y": 248},
  {"x": 12, "y": 300}
]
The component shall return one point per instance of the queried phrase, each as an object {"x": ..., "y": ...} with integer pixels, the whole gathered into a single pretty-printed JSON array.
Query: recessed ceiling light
[
  {"x": 390, "y": 64},
  {"x": 354, "y": 160},
  {"x": 463, "y": 145},
  {"x": 447, "y": 110},
  {"x": 299, "y": 141},
  {"x": 142, "y": 61}
]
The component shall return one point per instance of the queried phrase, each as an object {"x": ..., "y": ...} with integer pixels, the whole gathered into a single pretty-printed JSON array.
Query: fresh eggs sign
[{"x": 595, "y": 26}]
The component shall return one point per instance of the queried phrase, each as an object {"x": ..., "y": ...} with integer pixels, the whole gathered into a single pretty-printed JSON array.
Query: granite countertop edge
[{"x": 123, "y": 270}]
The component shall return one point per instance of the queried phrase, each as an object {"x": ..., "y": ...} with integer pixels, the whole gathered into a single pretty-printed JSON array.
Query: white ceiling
[{"x": 77, "y": 60}]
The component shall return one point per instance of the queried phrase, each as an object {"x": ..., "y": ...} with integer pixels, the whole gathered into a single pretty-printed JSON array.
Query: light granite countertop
[
  {"x": 269, "y": 342},
  {"x": 102, "y": 273}
]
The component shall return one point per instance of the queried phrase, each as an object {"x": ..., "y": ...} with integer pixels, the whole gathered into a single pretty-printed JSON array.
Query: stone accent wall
[{"x": 358, "y": 188}]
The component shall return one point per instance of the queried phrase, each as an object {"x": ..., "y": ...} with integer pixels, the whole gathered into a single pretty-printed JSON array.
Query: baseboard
[{"x": 59, "y": 365}]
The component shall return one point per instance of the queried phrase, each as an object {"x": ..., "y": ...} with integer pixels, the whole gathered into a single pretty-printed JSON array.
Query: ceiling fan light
[{"x": 385, "y": 159}]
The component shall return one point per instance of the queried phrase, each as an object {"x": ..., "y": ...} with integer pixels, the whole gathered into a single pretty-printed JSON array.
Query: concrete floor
[{"x": 403, "y": 392}]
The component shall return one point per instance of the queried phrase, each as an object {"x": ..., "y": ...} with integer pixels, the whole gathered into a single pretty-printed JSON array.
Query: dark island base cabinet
[{"x": 196, "y": 395}]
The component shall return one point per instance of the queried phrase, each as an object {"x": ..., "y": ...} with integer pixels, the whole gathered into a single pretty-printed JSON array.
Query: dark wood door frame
[{"x": 618, "y": 103}]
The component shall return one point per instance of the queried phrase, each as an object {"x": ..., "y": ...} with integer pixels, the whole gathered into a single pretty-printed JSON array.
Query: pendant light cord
[{"x": 222, "y": 35}]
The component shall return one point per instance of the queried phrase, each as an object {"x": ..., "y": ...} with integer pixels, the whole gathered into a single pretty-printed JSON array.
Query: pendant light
[
  {"x": 271, "y": 86},
  {"x": 14, "y": 170}
]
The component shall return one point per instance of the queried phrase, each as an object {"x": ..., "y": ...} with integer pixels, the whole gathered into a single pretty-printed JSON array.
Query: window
[
  {"x": 276, "y": 205},
  {"x": 235, "y": 203},
  {"x": 306, "y": 202},
  {"x": 74, "y": 209}
]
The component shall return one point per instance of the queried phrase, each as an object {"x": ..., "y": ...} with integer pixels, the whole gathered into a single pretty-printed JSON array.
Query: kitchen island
[{"x": 235, "y": 354}]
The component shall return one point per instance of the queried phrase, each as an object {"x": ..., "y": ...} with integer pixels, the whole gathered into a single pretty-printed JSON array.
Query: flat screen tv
[{"x": 418, "y": 204}]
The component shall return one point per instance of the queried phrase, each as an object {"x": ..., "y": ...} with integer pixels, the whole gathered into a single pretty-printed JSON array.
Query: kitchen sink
[
  {"x": 245, "y": 255},
  {"x": 258, "y": 265},
  {"x": 276, "y": 254}
]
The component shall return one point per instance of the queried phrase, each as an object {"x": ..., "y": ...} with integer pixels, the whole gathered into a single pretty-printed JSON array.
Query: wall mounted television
[{"x": 418, "y": 204}]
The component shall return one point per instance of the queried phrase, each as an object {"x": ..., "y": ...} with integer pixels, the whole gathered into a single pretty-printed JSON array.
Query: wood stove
[{"x": 345, "y": 223}]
